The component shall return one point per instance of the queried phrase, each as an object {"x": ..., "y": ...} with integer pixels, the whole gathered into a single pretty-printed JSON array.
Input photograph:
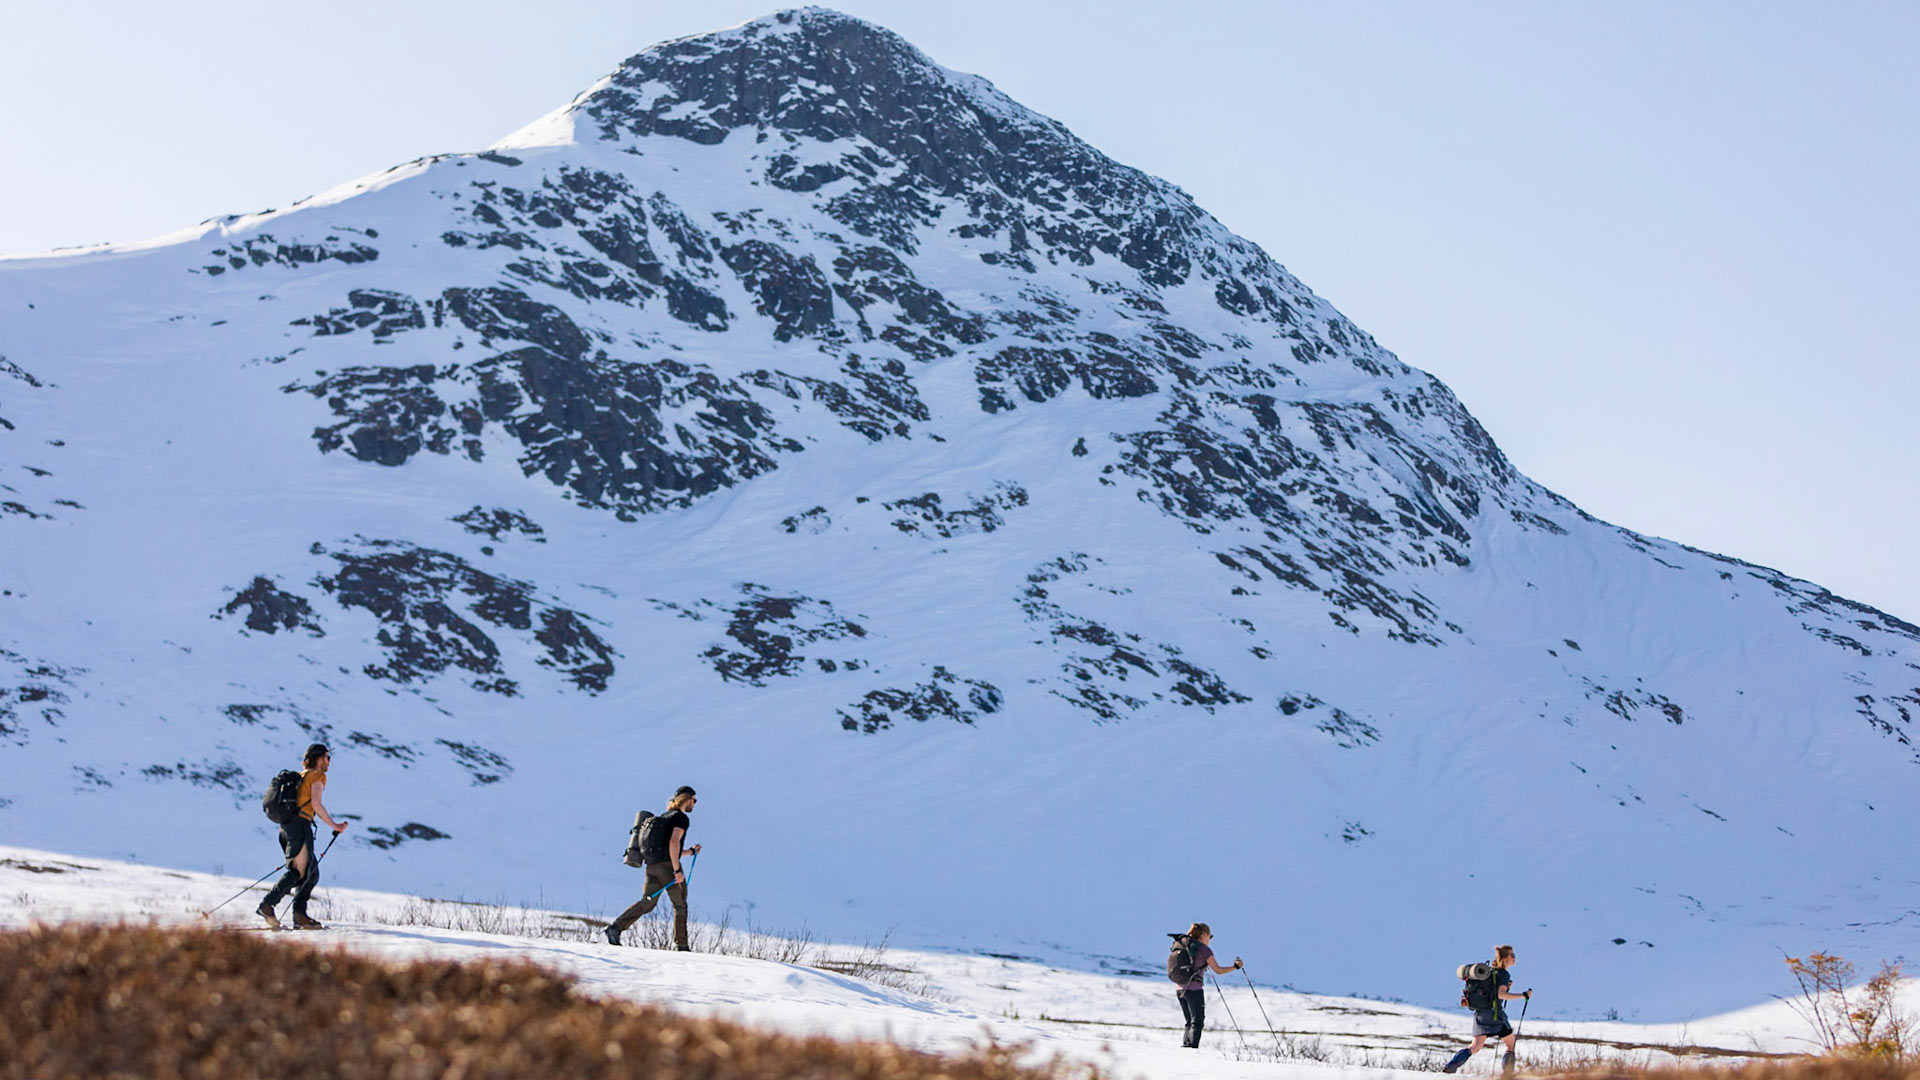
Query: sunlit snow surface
[{"x": 1125, "y": 1022}]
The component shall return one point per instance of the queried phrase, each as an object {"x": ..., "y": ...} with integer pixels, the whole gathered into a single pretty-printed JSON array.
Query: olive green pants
[{"x": 659, "y": 876}]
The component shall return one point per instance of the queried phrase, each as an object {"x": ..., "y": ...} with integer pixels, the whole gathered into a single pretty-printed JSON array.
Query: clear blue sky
[{"x": 1669, "y": 253}]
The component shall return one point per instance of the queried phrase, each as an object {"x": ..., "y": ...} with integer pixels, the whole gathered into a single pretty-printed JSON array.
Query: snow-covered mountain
[{"x": 1012, "y": 555}]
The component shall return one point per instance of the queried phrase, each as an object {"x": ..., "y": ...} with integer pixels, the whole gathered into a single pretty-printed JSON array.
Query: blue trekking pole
[{"x": 691, "y": 861}]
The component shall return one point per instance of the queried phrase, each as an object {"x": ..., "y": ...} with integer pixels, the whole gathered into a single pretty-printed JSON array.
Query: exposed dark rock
[
  {"x": 871, "y": 276},
  {"x": 593, "y": 425},
  {"x": 923, "y": 515},
  {"x": 271, "y": 609},
  {"x": 1892, "y": 714},
  {"x": 485, "y": 766},
  {"x": 386, "y": 838},
  {"x": 32, "y": 690},
  {"x": 874, "y": 403},
  {"x": 1113, "y": 672},
  {"x": 1104, "y": 369},
  {"x": 815, "y": 521},
  {"x": 772, "y": 630},
  {"x": 431, "y": 606},
  {"x": 15, "y": 371},
  {"x": 270, "y": 717},
  {"x": 208, "y": 774},
  {"x": 943, "y": 696},
  {"x": 789, "y": 290},
  {"x": 264, "y": 250},
  {"x": 499, "y": 522},
  {"x": 1343, "y": 728},
  {"x": 386, "y": 312},
  {"x": 1626, "y": 704},
  {"x": 379, "y": 744}
]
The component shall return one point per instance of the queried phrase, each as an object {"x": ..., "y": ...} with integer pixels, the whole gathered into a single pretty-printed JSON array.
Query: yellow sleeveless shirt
[{"x": 307, "y": 779}]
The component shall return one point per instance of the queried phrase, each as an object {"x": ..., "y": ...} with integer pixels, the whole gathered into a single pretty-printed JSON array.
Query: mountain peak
[{"x": 809, "y": 70}]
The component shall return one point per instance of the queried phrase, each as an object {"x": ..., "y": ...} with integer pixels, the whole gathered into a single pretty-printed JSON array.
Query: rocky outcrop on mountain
[
  {"x": 430, "y": 605},
  {"x": 33, "y": 694},
  {"x": 943, "y": 696},
  {"x": 769, "y": 632},
  {"x": 270, "y": 609}
]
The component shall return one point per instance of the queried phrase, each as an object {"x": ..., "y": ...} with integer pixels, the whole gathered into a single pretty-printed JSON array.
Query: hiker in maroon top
[{"x": 1187, "y": 965}]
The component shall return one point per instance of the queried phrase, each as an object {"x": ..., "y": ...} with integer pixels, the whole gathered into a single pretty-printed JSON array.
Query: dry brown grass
[
  {"x": 1810, "y": 1068},
  {"x": 147, "y": 1002}
]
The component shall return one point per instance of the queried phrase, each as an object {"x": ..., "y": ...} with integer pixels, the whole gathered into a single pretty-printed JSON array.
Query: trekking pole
[
  {"x": 691, "y": 861},
  {"x": 1229, "y": 1008},
  {"x": 208, "y": 914},
  {"x": 1263, "y": 1010}
]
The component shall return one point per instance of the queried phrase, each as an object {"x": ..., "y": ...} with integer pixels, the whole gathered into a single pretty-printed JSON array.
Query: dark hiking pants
[
  {"x": 1193, "y": 1005},
  {"x": 294, "y": 835},
  {"x": 659, "y": 876}
]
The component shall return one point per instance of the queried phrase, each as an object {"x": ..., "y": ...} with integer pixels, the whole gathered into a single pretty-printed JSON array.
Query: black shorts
[
  {"x": 295, "y": 833},
  {"x": 1491, "y": 1024}
]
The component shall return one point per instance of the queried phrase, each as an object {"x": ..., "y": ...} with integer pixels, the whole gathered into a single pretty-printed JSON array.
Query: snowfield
[
  {"x": 1017, "y": 561},
  {"x": 933, "y": 1000}
]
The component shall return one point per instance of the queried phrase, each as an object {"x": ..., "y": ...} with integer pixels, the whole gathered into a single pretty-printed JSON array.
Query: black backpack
[
  {"x": 637, "y": 839},
  {"x": 1181, "y": 967},
  {"x": 1482, "y": 990},
  {"x": 282, "y": 801},
  {"x": 650, "y": 839}
]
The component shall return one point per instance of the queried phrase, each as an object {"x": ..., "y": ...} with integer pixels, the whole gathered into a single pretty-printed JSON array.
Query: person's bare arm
[
  {"x": 1508, "y": 995},
  {"x": 1214, "y": 963},
  {"x": 320, "y": 809}
]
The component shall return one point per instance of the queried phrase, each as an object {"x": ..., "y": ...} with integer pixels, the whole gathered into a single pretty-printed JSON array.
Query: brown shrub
[
  {"x": 1817, "y": 1068},
  {"x": 148, "y": 1002}
]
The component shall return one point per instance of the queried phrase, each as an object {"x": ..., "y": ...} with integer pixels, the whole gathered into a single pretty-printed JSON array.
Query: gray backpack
[{"x": 1482, "y": 990}]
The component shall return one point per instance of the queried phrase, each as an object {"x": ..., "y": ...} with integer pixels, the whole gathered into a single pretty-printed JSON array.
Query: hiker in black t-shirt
[
  {"x": 1492, "y": 1022},
  {"x": 664, "y": 872},
  {"x": 1192, "y": 994}
]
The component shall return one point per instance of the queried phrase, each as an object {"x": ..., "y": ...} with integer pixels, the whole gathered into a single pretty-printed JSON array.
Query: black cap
[
  {"x": 684, "y": 789},
  {"x": 315, "y": 753}
]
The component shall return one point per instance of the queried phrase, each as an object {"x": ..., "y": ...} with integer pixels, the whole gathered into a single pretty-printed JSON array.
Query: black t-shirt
[{"x": 662, "y": 835}]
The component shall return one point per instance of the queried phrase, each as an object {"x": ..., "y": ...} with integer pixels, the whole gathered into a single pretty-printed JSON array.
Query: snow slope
[
  {"x": 1015, "y": 559},
  {"x": 1127, "y": 1023}
]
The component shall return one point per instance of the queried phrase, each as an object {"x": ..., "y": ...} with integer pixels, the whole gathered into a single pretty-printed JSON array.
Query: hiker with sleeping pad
[
  {"x": 296, "y": 835},
  {"x": 1188, "y": 962},
  {"x": 661, "y": 839},
  {"x": 1486, "y": 994}
]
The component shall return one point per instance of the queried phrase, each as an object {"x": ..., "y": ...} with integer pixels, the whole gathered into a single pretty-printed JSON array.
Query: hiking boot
[
  {"x": 265, "y": 911},
  {"x": 683, "y": 948},
  {"x": 303, "y": 921},
  {"x": 1506, "y": 1064},
  {"x": 613, "y": 936}
]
